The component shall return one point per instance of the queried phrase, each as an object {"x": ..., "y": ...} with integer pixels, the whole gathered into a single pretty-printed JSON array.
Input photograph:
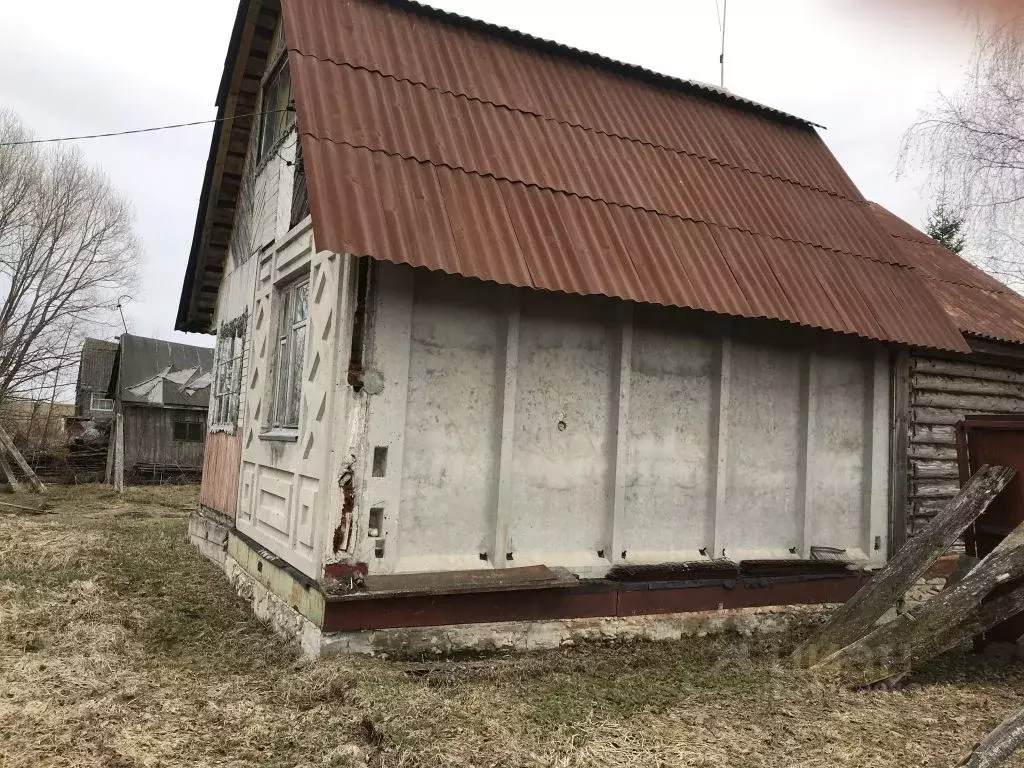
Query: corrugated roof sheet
[
  {"x": 465, "y": 149},
  {"x": 979, "y": 304},
  {"x": 158, "y": 373}
]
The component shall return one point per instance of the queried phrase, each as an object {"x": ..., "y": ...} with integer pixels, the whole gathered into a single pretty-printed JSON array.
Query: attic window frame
[{"x": 285, "y": 121}]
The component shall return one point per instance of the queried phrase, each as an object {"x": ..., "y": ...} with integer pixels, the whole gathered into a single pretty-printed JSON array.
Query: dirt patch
[{"x": 120, "y": 646}]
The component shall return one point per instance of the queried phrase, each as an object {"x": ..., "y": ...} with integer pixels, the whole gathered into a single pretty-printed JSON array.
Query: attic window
[
  {"x": 300, "y": 197},
  {"x": 276, "y": 116}
]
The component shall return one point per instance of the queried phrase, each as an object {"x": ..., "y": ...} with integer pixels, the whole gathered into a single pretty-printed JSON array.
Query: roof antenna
[{"x": 721, "y": 25}]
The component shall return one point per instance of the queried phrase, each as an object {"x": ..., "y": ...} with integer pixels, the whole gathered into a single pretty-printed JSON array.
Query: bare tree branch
[
  {"x": 67, "y": 248},
  {"x": 972, "y": 145}
]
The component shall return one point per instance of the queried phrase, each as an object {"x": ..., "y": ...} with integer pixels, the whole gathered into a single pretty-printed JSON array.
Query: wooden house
[{"x": 510, "y": 333}]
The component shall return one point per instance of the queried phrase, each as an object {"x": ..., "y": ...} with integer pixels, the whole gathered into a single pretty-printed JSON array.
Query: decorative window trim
[{"x": 225, "y": 400}]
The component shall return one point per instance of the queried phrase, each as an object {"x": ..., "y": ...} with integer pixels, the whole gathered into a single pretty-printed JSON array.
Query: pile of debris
[{"x": 867, "y": 642}]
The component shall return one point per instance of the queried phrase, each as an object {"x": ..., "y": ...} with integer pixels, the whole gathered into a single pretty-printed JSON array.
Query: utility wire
[{"x": 142, "y": 130}]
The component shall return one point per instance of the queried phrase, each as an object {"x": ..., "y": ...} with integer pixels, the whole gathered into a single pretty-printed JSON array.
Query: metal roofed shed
[
  {"x": 161, "y": 393},
  {"x": 546, "y": 311}
]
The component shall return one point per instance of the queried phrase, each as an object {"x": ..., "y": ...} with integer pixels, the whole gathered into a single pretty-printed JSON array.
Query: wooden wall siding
[
  {"x": 149, "y": 437},
  {"x": 942, "y": 392},
  {"x": 220, "y": 472}
]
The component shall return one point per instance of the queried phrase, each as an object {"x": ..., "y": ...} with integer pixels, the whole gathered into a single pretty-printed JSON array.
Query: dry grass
[{"x": 120, "y": 647}]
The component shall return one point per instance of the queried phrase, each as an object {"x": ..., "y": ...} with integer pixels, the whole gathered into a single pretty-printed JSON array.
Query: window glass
[
  {"x": 227, "y": 385},
  {"x": 291, "y": 347}
]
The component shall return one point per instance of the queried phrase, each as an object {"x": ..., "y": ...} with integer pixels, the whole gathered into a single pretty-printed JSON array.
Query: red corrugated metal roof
[
  {"x": 979, "y": 304},
  {"x": 463, "y": 149}
]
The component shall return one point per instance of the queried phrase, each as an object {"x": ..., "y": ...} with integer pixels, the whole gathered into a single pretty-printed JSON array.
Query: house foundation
[{"x": 323, "y": 622}]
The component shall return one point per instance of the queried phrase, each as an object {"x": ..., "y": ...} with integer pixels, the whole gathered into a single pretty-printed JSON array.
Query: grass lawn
[{"x": 120, "y": 646}]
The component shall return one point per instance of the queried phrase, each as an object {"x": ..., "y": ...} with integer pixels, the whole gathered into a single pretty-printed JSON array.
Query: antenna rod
[{"x": 721, "y": 57}]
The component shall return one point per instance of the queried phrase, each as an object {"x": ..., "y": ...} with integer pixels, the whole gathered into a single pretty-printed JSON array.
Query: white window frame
[
  {"x": 227, "y": 380},
  {"x": 95, "y": 397},
  {"x": 290, "y": 357}
]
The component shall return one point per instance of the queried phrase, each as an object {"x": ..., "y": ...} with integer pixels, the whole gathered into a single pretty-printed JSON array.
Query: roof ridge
[
  {"x": 580, "y": 196},
  {"x": 580, "y": 126}
]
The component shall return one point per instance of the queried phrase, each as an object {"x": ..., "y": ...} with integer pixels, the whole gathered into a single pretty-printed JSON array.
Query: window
[
  {"x": 227, "y": 384},
  {"x": 291, "y": 346},
  {"x": 300, "y": 196},
  {"x": 99, "y": 403},
  {"x": 275, "y": 120},
  {"x": 188, "y": 431}
]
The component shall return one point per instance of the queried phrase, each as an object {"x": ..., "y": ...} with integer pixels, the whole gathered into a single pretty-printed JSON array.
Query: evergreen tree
[{"x": 946, "y": 225}]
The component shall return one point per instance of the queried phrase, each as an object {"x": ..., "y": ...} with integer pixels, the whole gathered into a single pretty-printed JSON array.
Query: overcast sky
[{"x": 73, "y": 67}]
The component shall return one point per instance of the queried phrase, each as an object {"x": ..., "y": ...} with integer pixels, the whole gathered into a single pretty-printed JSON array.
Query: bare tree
[
  {"x": 972, "y": 144},
  {"x": 67, "y": 249}
]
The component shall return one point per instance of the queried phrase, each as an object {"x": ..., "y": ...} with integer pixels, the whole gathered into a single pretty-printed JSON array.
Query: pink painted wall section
[{"x": 220, "y": 472}]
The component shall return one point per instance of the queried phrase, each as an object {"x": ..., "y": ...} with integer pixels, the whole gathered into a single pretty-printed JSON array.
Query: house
[
  {"x": 96, "y": 362},
  {"x": 510, "y": 332},
  {"x": 161, "y": 391}
]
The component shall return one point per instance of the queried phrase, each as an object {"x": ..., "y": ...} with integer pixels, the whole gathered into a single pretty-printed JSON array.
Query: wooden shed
[{"x": 161, "y": 391}]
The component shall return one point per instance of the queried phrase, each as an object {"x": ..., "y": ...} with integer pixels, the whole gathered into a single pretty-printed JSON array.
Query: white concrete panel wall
[
  {"x": 763, "y": 452},
  {"x": 670, "y": 474},
  {"x": 451, "y": 454},
  {"x": 525, "y": 427},
  {"x": 562, "y": 449}
]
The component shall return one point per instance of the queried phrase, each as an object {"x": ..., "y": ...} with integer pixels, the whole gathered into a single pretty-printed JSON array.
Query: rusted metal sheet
[
  {"x": 220, "y": 472},
  {"x": 475, "y": 151},
  {"x": 995, "y": 440},
  {"x": 588, "y": 600},
  {"x": 978, "y": 303}
]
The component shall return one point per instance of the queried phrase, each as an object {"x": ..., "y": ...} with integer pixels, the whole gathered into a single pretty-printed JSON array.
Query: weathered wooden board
[
  {"x": 967, "y": 370},
  {"x": 5, "y": 467},
  {"x": 963, "y": 385},
  {"x": 952, "y": 616},
  {"x": 6, "y": 444},
  {"x": 968, "y": 403},
  {"x": 858, "y": 614},
  {"x": 458, "y": 582},
  {"x": 996, "y": 748},
  {"x": 923, "y": 434}
]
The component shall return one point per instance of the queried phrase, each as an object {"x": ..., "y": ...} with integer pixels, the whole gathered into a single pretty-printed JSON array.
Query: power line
[{"x": 141, "y": 130}]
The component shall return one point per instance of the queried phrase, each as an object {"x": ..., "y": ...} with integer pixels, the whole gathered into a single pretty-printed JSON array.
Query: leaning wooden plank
[
  {"x": 20, "y": 508},
  {"x": 996, "y": 748},
  {"x": 856, "y": 617},
  {"x": 5, "y": 466},
  {"x": 952, "y": 616},
  {"x": 7, "y": 444}
]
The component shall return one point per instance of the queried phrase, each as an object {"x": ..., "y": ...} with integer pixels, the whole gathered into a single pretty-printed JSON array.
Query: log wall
[{"x": 942, "y": 392}]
